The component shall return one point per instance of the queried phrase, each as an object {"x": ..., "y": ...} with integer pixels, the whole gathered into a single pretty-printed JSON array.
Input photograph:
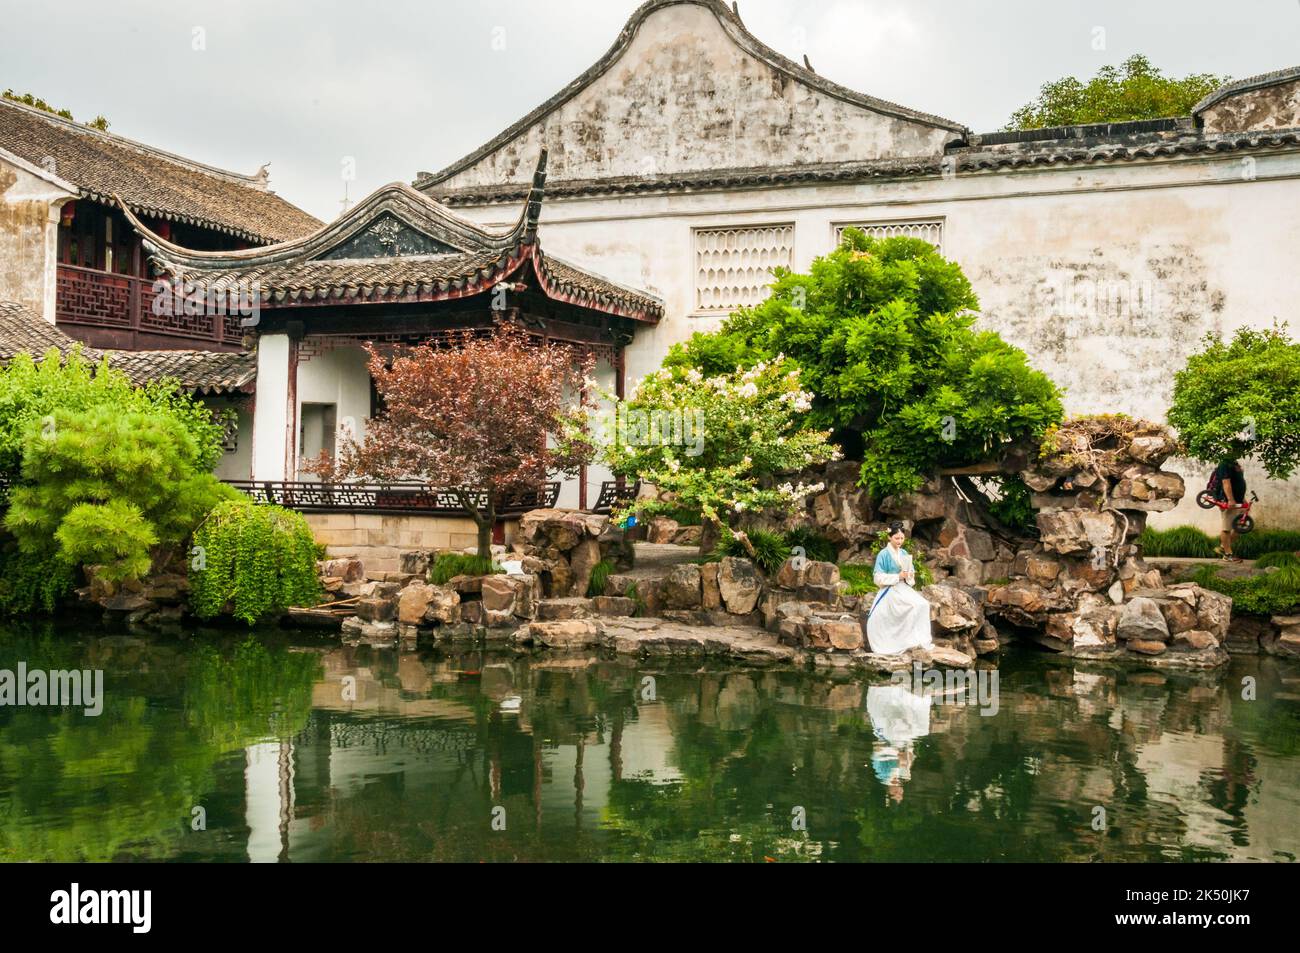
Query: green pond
[{"x": 212, "y": 746}]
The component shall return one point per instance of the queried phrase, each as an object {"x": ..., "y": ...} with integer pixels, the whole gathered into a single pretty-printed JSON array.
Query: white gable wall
[{"x": 1108, "y": 276}]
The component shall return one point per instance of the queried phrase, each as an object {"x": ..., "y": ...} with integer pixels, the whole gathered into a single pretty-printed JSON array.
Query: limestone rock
[
  {"x": 377, "y": 609},
  {"x": 413, "y": 603},
  {"x": 661, "y": 529},
  {"x": 952, "y": 611},
  {"x": 1141, "y": 621},
  {"x": 349, "y": 570},
  {"x": 683, "y": 587},
  {"x": 443, "y": 606},
  {"x": 564, "y": 633},
  {"x": 739, "y": 584},
  {"x": 710, "y": 593},
  {"x": 614, "y": 606},
  {"x": 569, "y": 607}
]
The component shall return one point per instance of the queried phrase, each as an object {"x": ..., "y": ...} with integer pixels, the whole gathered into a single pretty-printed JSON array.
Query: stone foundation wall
[{"x": 378, "y": 540}]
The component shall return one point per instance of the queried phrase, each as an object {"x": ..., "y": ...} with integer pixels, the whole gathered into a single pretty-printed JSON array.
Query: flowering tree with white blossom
[{"x": 735, "y": 435}]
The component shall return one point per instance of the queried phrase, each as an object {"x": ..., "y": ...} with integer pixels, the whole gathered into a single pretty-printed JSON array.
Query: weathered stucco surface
[
  {"x": 1107, "y": 276},
  {"x": 28, "y": 233},
  {"x": 685, "y": 97},
  {"x": 1273, "y": 107}
]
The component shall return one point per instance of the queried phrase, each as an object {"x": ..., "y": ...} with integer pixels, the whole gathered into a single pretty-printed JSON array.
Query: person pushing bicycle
[{"x": 1230, "y": 487}]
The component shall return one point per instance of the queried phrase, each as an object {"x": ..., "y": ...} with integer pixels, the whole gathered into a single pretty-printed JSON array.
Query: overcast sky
[{"x": 403, "y": 86}]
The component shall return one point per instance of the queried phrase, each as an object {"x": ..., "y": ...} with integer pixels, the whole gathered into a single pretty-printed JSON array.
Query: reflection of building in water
[{"x": 898, "y": 718}]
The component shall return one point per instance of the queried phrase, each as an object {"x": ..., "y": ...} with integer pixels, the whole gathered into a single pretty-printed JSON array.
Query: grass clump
[
  {"x": 770, "y": 549},
  {"x": 600, "y": 574},
  {"x": 450, "y": 565}
]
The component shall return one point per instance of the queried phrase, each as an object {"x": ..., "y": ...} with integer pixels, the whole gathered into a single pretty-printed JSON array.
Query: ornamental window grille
[
  {"x": 930, "y": 231},
  {"x": 733, "y": 266}
]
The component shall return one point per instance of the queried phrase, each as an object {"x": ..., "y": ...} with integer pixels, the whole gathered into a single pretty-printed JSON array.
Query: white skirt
[{"x": 899, "y": 620}]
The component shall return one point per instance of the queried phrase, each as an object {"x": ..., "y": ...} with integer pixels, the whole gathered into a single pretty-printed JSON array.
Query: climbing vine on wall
[{"x": 252, "y": 561}]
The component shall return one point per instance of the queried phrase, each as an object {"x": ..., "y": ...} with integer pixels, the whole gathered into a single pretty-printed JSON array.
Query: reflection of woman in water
[
  {"x": 898, "y": 717},
  {"x": 899, "y": 618}
]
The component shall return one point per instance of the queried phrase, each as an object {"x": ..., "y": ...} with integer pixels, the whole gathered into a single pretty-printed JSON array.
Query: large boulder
[
  {"x": 1078, "y": 530},
  {"x": 952, "y": 611},
  {"x": 739, "y": 584},
  {"x": 683, "y": 587},
  {"x": 413, "y": 603},
  {"x": 1142, "y": 621}
]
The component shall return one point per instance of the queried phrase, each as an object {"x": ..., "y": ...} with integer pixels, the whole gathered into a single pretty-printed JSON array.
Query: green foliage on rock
[
  {"x": 600, "y": 574},
  {"x": 770, "y": 549},
  {"x": 883, "y": 333},
  {"x": 1013, "y": 506},
  {"x": 1242, "y": 399},
  {"x": 31, "y": 583},
  {"x": 104, "y": 487},
  {"x": 1271, "y": 593},
  {"x": 253, "y": 560},
  {"x": 447, "y": 566},
  {"x": 1134, "y": 90},
  {"x": 815, "y": 546}
]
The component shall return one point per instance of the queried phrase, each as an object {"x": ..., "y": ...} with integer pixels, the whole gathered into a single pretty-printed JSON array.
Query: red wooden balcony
[{"x": 109, "y": 310}]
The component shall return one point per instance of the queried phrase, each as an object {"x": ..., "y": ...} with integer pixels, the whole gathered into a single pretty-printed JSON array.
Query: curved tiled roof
[
  {"x": 202, "y": 372},
  {"x": 298, "y": 273},
  {"x": 731, "y": 23},
  {"x": 150, "y": 181},
  {"x": 1064, "y": 152}
]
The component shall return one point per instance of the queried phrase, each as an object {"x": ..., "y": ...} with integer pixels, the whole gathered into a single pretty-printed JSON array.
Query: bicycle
[{"x": 1244, "y": 523}]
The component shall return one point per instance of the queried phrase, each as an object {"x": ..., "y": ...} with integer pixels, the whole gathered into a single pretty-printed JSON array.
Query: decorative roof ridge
[
  {"x": 732, "y": 25},
  {"x": 410, "y": 205},
  {"x": 976, "y": 158},
  {"x": 1258, "y": 81},
  {"x": 256, "y": 181}
]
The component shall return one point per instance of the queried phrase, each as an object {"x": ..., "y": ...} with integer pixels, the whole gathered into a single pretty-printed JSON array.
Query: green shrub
[
  {"x": 1274, "y": 593},
  {"x": 254, "y": 559},
  {"x": 31, "y": 583},
  {"x": 1014, "y": 507},
  {"x": 1280, "y": 560},
  {"x": 770, "y": 549},
  {"x": 30, "y": 391},
  {"x": 101, "y": 487},
  {"x": 815, "y": 546},
  {"x": 1192, "y": 543},
  {"x": 600, "y": 574},
  {"x": 447, "y": 566},
  {"x": 883, "y": 332},
  {"x": 1181, "y": 541},
  {"x": 1264, "y": 541}
]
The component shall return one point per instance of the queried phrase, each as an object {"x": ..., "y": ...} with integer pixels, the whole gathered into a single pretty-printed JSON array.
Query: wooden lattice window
[
  {"x": 930, "y": 231},
  {"x": 733, "y": 266}
]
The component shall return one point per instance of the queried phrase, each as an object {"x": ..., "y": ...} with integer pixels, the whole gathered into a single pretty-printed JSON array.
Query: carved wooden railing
[
  {"x": 101, "y": 299},
  {"x": 611, "y": 492},
  {"x": 394, "y": 498}
]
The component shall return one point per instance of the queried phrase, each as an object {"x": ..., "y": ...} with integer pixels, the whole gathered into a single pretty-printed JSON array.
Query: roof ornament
[
  {"x": 533, "y": 204},
  {"x": 735, "y": 8},
  {"x": 263, "y": 175},
  {"x": 808, "y": 63}
]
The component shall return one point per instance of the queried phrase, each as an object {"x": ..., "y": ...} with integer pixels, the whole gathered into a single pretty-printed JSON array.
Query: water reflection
[
  {"x": 898, "y": 718},
  {"x": 320, "y": 752}
]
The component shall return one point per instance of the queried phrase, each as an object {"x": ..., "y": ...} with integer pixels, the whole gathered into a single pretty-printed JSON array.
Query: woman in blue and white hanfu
[{"x": 899, "y": 618}]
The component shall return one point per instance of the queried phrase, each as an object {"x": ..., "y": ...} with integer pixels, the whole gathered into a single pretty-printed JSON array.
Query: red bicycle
[{"x": 1243, "y": 523}]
